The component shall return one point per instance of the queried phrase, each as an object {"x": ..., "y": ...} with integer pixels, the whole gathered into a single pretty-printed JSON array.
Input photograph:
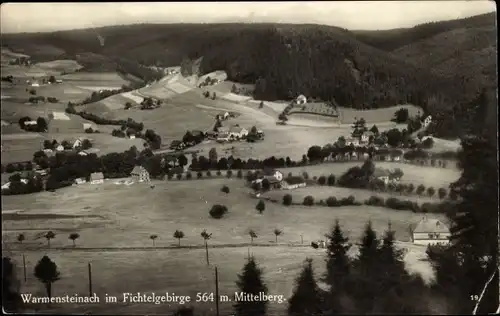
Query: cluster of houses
[
  {"x": 75, "y": 144},
  {"x": 209, "y": 82},
  {"x": 138, "y": 174}
]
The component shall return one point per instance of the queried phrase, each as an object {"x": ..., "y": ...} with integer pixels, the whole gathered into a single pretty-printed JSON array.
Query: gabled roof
[
  {"x": 235, "y": 129},
  {"x": 223, "y": 129},
  {"x": 431, "y": 225},
  {"x": 138, "y": 170}
]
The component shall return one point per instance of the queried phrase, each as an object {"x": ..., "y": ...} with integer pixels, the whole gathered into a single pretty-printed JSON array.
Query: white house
[
  {"x": 238, "y": 132},
  {"x": 293, "y": 182},
  {"x": 35, "y": 84},
  {"x": 78, "y": 143},
  {"x": 80, "y": 181},
  {"x": 427, "y": 121},
  {"x": 301, "y": 99},
  {"x": 365, "y": 138},
  {"x": 96, "y": 178},
  {"x": 430, "y": 231},
  {"x": 60, "y": 148},
  {"x": 140, "y": 174},
  {"x": 30, "y": 123}
]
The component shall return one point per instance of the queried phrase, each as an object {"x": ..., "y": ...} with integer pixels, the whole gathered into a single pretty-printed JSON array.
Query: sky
[{"x": 353, "y": 15}]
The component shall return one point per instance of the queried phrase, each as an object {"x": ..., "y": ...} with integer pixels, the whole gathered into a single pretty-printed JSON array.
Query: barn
[
  {"x": 97, "y": 178},
  {"x": 60, "y": 122}
]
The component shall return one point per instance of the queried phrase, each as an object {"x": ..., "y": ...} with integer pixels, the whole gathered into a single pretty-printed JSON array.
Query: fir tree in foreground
[
  {"x": 305, "y": 300},
  {"x": 250, "y": 283},
  {"x": 337, "y": 268},
  {"x": 472, "y": 260},
  {"x": 11, "y": 299}
]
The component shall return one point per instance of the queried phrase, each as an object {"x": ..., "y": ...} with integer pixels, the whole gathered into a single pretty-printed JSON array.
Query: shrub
[
  {"x": 209, "y": 174},
  {"x": 308, "y": 201},
  {"x": 170, "y": 175},
  {"x": 331, "y": 180},
  {"x": 397, "y": 204},
  {"x": 331, "y": 201},
  {"x": 199, "y": 175},
  {"x": 375, "y": 201},
  {"x": 322, "y": 180},
  {"x": 290, "y": 174},
  {"x": 315, "y": 178},
  {"x": 261, "y": 206},
  {"x": 305, "y": 175},
  {"x": 321, "y": 202},
  {"x": 218, "y": 211},
  {"x": 239, "y": 174},
  {"x": 229, "y": 173},
  {"x": 218, "y": 173},
  {"x": 225, "y": 189},
  {"x": 287, "y": 199},
  {"x": 442, "y": 193},
  {"x": 179, "y": 176},
  {"x": 189, "y": 176}
]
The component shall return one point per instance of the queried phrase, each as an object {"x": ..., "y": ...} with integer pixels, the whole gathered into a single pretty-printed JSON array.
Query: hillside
[
  {"x": 322, "y": 62},
  {"x": 389, "y": 40}
]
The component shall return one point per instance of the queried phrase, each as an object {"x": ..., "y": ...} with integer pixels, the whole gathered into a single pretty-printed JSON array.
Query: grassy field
[
  {"x": 428, "y": 176},
  {"x": 323, "y": 192},
  {"x": 95, "y": 80},
  {"x": 64, "y": 65},
  {"x": 375, "y": 116},
  {"x": 127, "y": 220}
]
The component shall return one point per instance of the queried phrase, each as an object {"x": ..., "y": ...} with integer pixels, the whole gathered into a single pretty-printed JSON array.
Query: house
[
  {"x": 48, "y": 151},
  {"x": 132, "y": 136},
  {"x": 301, "y": 99},
  {"x": 140, "y": 174},
  {"x": 35, "y": 84},
  {"x": 177, "y": 145},
  {"x": 274, "y": 177},
  {"x": 211, "y": 135},
  {"x": 96, "y": 178},
  {"x": 60, "y": 148},
  {"x": 7, "y": 185},
  {"x": 32, "y": 123},
  {"x": 223, "y": 134},
  {"x": 80, "y": 180},
  {"x": 396, "y": 155},
  {"x": 293, "y": 182},
  {"x": 352, "y": 141},
  {"x": 430, "y": 231},
  {"x": 237, "y": 132},
  {"x": 77, "y": 143},
  {"x": 365, "y": 137},
  {"x": 88, "y": 151},
  {"x": 59, "y": 81},
  {"x": 427, "y": 121},
  {"x": 385, "y": 175}
]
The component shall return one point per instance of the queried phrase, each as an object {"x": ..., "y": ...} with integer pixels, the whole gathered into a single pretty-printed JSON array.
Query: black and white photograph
[{"x": 300, "y": 158}]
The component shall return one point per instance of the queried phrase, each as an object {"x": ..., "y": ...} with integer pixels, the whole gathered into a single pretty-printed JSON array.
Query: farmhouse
[
  {"x": 60, "y": 148},
  {"x": 274, "y": 177},
  {"x": 301, "y": 99},
  {"x": 140, "y": 174},
  {"x": 88, "y": 151},
  {"x": 177, "y": 145},
  {"x": 385, "y": 175},
  {"x": 32, "y": 123},
  {"x": 365, "y": 138},
  {"x": 352, "y": 141},
  {"x": 77, "y": 143},
  {"x": 430, "y": 231},
  {"x": 238, "y": 132},
  {"x": 60, "y": 122},
  {"x": 211, "y": 135},
  {"x": 427, "y": 121},
  {"x": 96, "y": 178},
  {"x": 80, "y": 180}
]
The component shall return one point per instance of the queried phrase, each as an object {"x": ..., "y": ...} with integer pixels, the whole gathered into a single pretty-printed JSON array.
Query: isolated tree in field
[
  {"x": 287, "y": 199},
  {"x": 178, "y": 235},
  {"x": 261, "y": 206},
  {"x": 410, "y": 188},
  {"x": 153, "y": 238},
  {"x": 74, "y": 237},
  {"x": 337, "y": 266},
  {"x": 218, "y": 211},
  {"x": 420, "y": 189},
  {"x": 11, "y": 299},
  {"x": 250, "y": 282},
  {"x": 47, "y": 273},
  {"x": 21, "y": 238},
  {"x": 86, "y": 144},
  {"x": 442, "y": 193},
  {"x": 49, "y": 235},
  {"x": 261, "y": 105},
  {"x": 41, "y": 124},
  {"x": 331, "y": 180},
  {"x": 252, "y": 235},
  {"x": 305, "y": 300},
  {"x": 277, "y": 232},
  {"x": 225, "y": 189},
  {"x": 431, "y": 191},
  {"x": 206, "y": 236},
  {"x": 212, "y": 155},
  {"x": 214, "y": 96}
]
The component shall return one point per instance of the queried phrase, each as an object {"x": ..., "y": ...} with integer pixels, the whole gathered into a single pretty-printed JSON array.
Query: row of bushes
[
  {"x": 392, "y": 203},
  {"x": 130, "y": 123}
]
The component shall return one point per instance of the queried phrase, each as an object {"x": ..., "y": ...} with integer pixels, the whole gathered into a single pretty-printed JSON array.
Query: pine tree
[
  {"x": 11, "y": 299},
  {"x": 474, "y": 230},
  {"x": 337, "y": 267},
  {"x": 364, "y": 288},
  {"x": 305, "y": 300},
  {"x": 250, "y": 283}
]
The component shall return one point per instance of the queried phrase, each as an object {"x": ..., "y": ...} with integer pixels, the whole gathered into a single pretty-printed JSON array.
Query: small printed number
[
  {"x": 204, "y": 297},
  {"x": 474, "y": 297}
]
